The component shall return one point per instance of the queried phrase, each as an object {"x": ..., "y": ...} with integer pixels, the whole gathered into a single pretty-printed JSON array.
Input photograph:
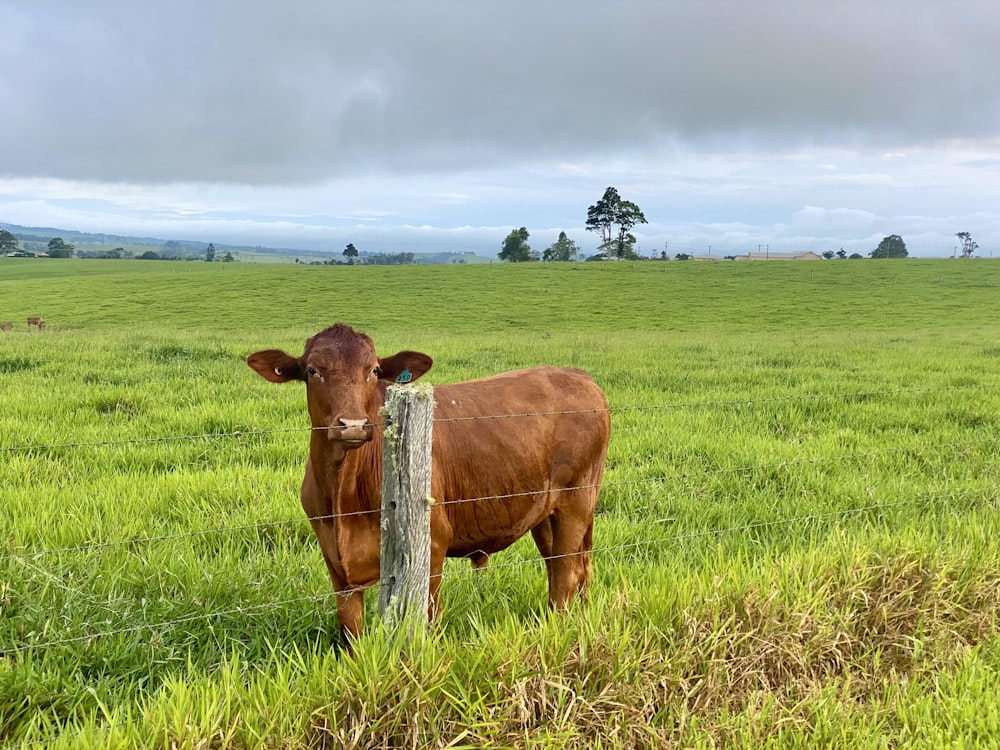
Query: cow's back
[{"x": 509, "y": 449}]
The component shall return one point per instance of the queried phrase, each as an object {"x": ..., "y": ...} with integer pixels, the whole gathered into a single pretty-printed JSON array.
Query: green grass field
[{"x": 796, "y": 543}]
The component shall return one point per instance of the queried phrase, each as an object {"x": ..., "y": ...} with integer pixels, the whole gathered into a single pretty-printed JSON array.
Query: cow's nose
[{"x": 350, "y": 429}]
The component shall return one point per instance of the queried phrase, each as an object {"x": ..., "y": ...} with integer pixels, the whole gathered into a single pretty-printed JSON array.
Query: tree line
[
  {"x": 612, "y": 218},
  {"x": 57, "y": 247}
]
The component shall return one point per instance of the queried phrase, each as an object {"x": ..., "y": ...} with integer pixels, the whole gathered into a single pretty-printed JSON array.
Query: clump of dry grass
[{"x": 731, "y": 668}]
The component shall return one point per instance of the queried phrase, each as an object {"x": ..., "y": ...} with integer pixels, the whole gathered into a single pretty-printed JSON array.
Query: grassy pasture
[{"x": 796, "y": 542}]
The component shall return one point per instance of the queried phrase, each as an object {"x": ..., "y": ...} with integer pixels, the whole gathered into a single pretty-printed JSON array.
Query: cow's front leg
[
  {"x": 350, "y": 604},
  {"x": 350, "y": 599},
  {"x": 350, "y": 612}
]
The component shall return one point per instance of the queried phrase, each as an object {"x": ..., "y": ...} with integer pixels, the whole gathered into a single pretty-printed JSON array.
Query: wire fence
[
  {"x": 490, "y": 417},
  {"x": 259, "y": 609},
  {"x": 90, "y": 636},
  {"x": 673, "y": 539},
  {"x": 660, "y": 479}
]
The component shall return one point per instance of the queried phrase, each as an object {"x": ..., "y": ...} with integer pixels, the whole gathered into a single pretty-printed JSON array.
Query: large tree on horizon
[
  {"x": 614, "y": 218},
  {"x": 890, "y": 247},
  {"x": 515, "y": 247}
]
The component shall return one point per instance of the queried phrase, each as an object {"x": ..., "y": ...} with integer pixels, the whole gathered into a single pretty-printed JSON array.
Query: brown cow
[
  {"x": 35, "y": 321},
  {"x": 7, "y": 326},
  {"x": 537, "y": 470}
]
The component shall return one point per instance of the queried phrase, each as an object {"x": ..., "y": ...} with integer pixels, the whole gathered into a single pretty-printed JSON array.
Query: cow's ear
[
  {"x": 275, "y": 365},
  {"x": 404, "y": 367}
]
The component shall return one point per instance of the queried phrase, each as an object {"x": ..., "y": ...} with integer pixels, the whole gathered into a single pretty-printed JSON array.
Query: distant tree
[
  {"x": 890, "y": 247},
  {"x": 148, "y": 255},
  {"x": 58, "y": 248},
  {"x": 391, "y": 259},
  {"x": 515, "y": 247},
  {"x": 969, "y": 246},
  {"x": 614, "y": 218},
  {"x": 210, "y": 253},
  {"x": 562, "y": 249},
  {"x": 855, "y": 256},
  {"x": 841, "y": 254},
  {"x": 682, "y": 256},
  {"x": 8, "y": 242},
  {"x": 350, "y": 252},
  {"x": 828, "y": 254},
  {"x": 228, "y": 257}
]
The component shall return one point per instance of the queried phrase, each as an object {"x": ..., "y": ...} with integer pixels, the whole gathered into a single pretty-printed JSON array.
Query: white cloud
[{"x": 731, "y": 124}]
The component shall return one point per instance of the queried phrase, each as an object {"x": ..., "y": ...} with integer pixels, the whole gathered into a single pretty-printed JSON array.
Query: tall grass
[{"x": 795, "y": 543}]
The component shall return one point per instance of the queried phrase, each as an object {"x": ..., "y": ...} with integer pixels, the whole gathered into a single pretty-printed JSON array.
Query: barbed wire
[
  {"x": 745, "y": 527},
  {"x": 249, "y": 609},
  {"x": 487, "y": 417},
  {"x": 633, "y": 545},
  {"x": 163, "y": 439},
  {"x": 725, "y": 402},
  {"x": 96, "y": 546},
  {"x": 256, "y": 608}
]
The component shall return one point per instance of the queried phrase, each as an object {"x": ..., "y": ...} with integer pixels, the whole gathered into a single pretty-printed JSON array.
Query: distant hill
[
  {"x": 44, "y": 234},
  {"x": 35, "y": 239}
]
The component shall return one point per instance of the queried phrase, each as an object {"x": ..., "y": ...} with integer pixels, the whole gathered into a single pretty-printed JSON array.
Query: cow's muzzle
[{"x": 353, "y": 431}]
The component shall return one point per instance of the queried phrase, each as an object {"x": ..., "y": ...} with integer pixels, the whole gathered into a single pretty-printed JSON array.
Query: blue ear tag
[{"x": 405, "y": 376}]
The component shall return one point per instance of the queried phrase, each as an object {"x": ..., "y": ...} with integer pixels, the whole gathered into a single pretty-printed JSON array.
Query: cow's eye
[
  {"x": 311, "y": 372},
  {"x": 377, "y": 372}
]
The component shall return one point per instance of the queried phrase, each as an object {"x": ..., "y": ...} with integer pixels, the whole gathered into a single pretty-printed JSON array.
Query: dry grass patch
[{"x": 734, "y": 668}]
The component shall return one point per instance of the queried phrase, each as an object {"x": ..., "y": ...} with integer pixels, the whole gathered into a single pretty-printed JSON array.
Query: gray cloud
[{"x": 261, "y": 92}]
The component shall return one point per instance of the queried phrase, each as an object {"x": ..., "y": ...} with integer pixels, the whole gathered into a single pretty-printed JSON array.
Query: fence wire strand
[
  {"x": 23, "y": 556},
  {"x": 97, "y": 546},
  {"x": 487, "y": 417},
  {"x": 259, "y": 608}
]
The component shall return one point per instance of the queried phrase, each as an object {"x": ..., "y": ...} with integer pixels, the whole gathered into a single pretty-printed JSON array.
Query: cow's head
[{"x": 345, "y": 380}]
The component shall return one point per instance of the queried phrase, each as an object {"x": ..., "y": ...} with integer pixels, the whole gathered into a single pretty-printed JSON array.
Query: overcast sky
[{"x": 432, "y": 125}]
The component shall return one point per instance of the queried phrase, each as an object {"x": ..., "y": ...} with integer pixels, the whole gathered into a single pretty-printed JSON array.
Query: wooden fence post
[{"x": 406, "y": 506}]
